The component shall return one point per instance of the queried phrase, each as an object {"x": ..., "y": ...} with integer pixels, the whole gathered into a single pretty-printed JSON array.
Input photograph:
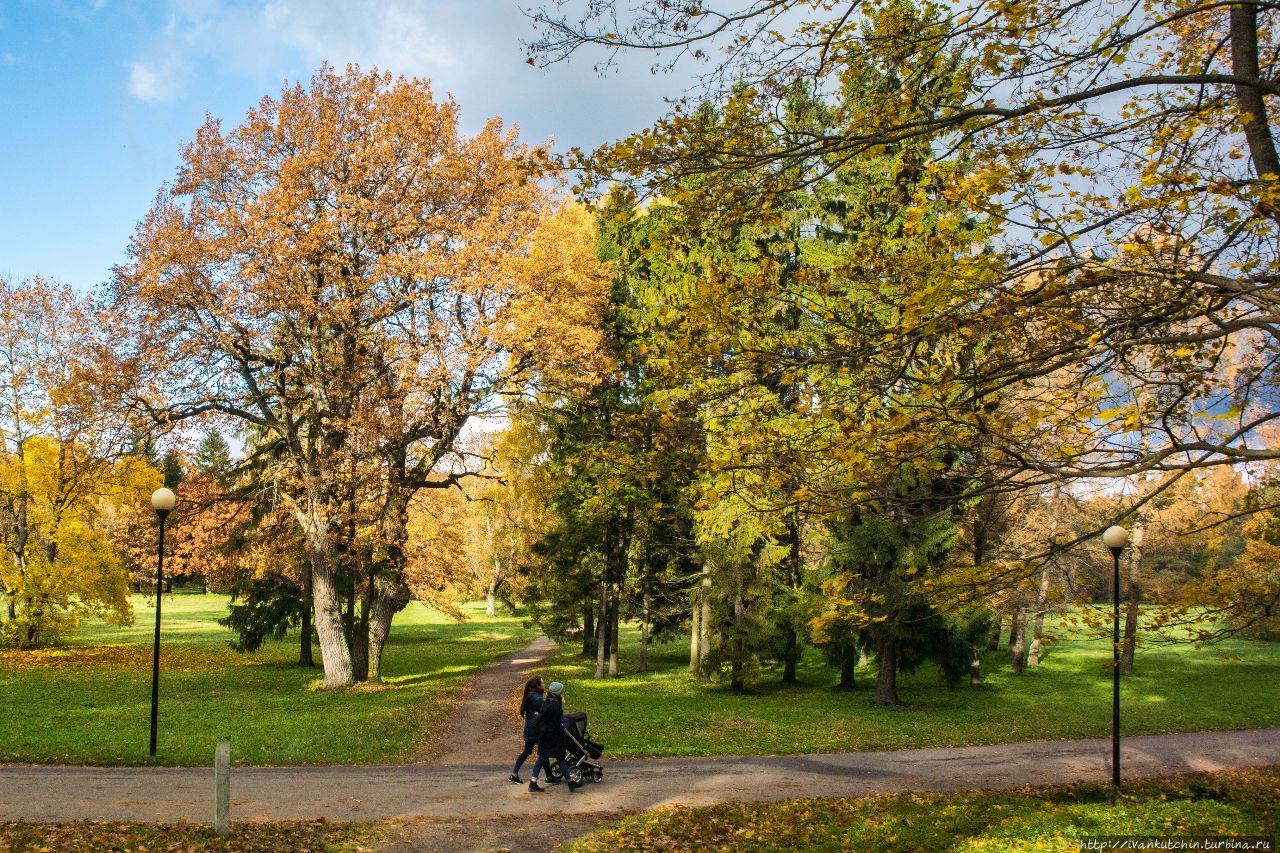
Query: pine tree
[{"x": 213, "y": 456}]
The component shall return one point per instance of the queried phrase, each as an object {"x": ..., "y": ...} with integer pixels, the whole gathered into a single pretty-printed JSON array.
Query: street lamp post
[
  {"x": 1115, "y": 538},
  {"x": 162, "y": 501}
]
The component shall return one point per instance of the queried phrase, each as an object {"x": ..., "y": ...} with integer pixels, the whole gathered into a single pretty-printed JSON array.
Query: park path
[
  {"x": 465, "y": 779},
  {"x": 484, "y": 728},
  {"x": 482, "y": 791}
]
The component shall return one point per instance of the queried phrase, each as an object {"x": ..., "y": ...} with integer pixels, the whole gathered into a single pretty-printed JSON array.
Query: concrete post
[{"x": 222, "y": 788}]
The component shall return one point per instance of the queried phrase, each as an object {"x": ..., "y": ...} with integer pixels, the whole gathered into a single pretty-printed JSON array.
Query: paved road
[{"x": 364, "y": 793}]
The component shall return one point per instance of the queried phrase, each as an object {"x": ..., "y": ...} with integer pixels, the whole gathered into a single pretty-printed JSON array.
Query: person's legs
[
  {"x": 537, "y": 771},
  {"x": 524, "y": 756},
  {"x": 538, "y": 766}
]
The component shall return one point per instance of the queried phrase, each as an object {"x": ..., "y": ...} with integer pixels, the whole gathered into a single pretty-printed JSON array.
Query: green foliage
[
  {"x": 271, "y": 606},
  {"x": 172, "y": 470},
  {"x": 1236, "y": 802},
  {"x": 621, "y": 458},
  {"x": 213, "y": 456}
]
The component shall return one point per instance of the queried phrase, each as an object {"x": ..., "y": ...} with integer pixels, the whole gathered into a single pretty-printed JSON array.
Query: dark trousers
[
  {"x": 529, "y": 744},
  {"x": 545, "y": 758}
]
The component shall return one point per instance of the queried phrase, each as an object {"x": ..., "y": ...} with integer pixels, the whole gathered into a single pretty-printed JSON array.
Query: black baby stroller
[{"x": 581, "y": 753}]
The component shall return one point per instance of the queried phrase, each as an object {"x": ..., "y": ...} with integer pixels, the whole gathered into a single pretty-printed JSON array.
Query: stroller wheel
[
  {"x": 575, "y": 775},
  {"x": 597, "y": 775}
]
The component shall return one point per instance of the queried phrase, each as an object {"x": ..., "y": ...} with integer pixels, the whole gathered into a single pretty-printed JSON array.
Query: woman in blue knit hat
[{"x": 550, "y": 730}]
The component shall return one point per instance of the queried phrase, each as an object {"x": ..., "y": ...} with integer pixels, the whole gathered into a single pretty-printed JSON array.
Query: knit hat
[{"x": 555, "y": 688}]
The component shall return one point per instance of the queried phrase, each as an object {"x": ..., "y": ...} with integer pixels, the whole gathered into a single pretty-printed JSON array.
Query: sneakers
[
  {"x": 533, "y": 787},
  {"x": 573, "y": 786},
  {"x": 553, "y": 780},
  {"x": 515, "y": 779}
]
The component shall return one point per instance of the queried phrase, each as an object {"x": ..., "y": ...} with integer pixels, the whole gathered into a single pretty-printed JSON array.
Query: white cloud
[
  {"x": 469, "y": 48},
  {"x": 150, "y": 83},
  {"x": 404, "y": 37}
]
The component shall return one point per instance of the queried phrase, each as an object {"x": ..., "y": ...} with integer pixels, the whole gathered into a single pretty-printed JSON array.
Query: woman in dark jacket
[
  {"x": 530, "y": 705},
  {"x": 550, "y": 730}
]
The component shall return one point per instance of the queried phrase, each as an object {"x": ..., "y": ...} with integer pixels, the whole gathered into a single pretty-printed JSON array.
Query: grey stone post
[{"x": 222, "y": 788}]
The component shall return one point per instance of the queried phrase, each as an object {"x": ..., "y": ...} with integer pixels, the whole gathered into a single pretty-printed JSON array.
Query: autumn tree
[
  {"x": 348, "y": 274},
  {"x": 65, "y": 475}
]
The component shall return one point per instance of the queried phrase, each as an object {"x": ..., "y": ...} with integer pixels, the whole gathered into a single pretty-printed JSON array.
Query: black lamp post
[
  {"x": 1115, "y": 538},
  {"x": 162, "y": 501}
]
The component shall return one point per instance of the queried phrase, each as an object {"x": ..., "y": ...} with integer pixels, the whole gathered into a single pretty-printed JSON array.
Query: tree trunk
[
  {"x": 1130, "y": 631},
  {"x": 736, "y": 682},
  {"x": 388, "y": 593},
  {"x": 390, "y": 596},
  {"x": 1249, "y": 98},
  {"x": 704, "y": 631},
  {"x": 644, "y": 635},
  {"x": 488, "y": 602},
  {"x": 334, "y": 653},
  {"x": 975, "y": 672},
  {"x": 350, "y": 619},
  {"x": 613, "y": 639},
  {"x": 1017, "y": 641},
  {"x": 791, "y": 642},
  {"x": 994, "y": 643},
  {"x": 305, "y": 657},
  {"x": 695, "y": 631},
  {"x": 848, "y": 660},
  {"x": 863, "y": 660},
  {"x": 887, "y": 678},
  {"x": 360, "y": 635},
  {"x": 602, "y": 631},
  {"x": 790, "y": 655},
  {"x": 588, "y": 632},
  {"x": 1042, "y": 604}
]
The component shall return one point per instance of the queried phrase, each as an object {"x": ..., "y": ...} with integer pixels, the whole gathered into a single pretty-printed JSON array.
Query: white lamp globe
[
  {"x": 163, "y": 500},
  {"x": 1115, "y": 536}
]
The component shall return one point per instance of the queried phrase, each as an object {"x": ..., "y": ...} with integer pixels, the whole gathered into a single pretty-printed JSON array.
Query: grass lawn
[
  {"x": 89, "y": 702},
  {"x": 1233, "y": 685},
  {"x": 1239, "y": 803}
]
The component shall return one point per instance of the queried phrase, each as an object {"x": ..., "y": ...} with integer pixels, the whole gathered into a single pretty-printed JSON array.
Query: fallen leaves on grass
[
  {"x": 301, "y": 836},
  {"x": 124, "y": 656},
  {"x": 1242, "y": 802}
]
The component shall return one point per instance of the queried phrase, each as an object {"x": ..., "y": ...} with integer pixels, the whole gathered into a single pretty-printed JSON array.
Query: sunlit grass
[
  {"x": 1240, "y": 803},
  {"x": 89, "y": 702},
  {"x": 1233, "y": 685}
]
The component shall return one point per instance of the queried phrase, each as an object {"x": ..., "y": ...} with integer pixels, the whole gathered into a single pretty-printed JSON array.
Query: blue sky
[{"x": 99, "y": 96}]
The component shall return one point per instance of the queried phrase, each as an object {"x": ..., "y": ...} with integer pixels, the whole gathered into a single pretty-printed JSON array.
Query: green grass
[
  {"x": 1233, "y": 685},
  {"x": 1240, "y": 803},
  {"x": 89, "y": 702}
]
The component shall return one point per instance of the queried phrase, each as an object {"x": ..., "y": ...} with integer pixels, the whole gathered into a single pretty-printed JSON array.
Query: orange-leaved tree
[{"x": 353, "y": 278}]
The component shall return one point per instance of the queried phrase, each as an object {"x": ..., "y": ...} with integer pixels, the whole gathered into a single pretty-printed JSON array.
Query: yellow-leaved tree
[{"x": 64, "y": 471}]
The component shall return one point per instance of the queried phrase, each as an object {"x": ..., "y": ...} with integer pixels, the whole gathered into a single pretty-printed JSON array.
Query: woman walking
[
  {"x": 530, "y": 705},
  {"x": 550, "y": 731}
]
